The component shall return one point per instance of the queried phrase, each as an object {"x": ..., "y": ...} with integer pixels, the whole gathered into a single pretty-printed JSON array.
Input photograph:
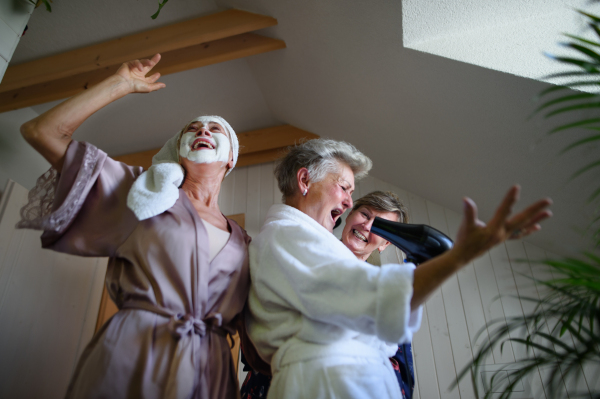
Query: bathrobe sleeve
[
  {"x": 83, "y": 210},
  {"x": 300, "y": 268}
]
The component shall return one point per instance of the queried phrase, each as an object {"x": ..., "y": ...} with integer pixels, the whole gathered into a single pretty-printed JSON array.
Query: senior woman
[
  {"x": 178, "y": 268},
  {"x": 356, "y": 236},
  {"x": 324, "y": 320}
]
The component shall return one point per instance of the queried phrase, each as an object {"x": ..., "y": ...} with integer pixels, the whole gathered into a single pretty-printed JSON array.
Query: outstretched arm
[
  {"x": 474, "y": 238},
  {"x": 50, "y": 133}
]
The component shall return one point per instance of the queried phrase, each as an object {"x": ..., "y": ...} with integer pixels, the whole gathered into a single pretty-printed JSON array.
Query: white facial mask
[{"x": 220, "y": 153}]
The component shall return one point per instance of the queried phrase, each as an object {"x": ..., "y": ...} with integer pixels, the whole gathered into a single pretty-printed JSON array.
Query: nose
[
  {"x": 203, "y": 132},
  {"x": 347, "y": 202},
  {"x": 368, "y": 223}
]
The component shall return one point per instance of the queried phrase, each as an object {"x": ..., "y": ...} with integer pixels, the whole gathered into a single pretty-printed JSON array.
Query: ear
[
  {"x": 383, "y": 246},
  {"x": 230, "y": 162},
  {"x": 302, "y": 179}
]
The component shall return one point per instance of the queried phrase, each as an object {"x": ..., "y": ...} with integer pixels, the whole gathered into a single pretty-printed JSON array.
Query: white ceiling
[
  {"x": 507, "y": 36},
  {"x": 434, "y": 126}
]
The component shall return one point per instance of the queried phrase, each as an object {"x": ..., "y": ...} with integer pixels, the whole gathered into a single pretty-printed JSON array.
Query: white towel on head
[{"x": 157, "y": 189}]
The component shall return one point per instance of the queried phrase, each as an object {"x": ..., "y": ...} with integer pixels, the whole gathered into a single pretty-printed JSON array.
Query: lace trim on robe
[{"x": 37, "y": 213}]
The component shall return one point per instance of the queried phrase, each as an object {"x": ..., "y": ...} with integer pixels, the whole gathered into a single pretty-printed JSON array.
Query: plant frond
[
  {"x": 559, "y": 100},
  {"x": 581, "y": 142},
  {"x": 575, "y": 107},
  {"x": 574, "y": 125},
  {"x": 585, "y": 169},
  {"x": 584, "y": 50},
  {"x": 583, "y": 64},
  {"x": 581, "y": 39}
]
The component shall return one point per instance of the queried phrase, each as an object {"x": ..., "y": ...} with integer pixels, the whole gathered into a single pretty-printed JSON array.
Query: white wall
[
  {"x": 48, "y": 308},
  {"x": 14, "y": 15},
  {"x": 455, "y": 313},
  {"x": 18, "y": 161}
]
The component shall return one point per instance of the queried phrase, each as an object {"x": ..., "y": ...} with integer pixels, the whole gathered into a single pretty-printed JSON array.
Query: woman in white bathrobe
[{"x": 326, "y": 321}]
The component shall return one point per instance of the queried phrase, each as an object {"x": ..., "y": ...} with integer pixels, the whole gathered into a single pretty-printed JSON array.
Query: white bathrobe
[{"x": 326, "y": 321}]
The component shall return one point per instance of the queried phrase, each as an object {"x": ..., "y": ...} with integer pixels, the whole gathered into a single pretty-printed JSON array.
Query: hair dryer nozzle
[{"x": 418, "y": 241}]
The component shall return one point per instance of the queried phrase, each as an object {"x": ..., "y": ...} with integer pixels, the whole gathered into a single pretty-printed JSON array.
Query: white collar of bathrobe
[{"x": 282, "y": 212}]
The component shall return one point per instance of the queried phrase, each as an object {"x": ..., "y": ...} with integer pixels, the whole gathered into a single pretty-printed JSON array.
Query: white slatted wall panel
[
  {"x": 48, "y": 307},
  {"x": 455, "y": 317}
]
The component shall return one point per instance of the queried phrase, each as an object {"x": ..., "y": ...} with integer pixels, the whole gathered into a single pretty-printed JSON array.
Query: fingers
[
  {"x": 505, "y": 208},
  {"x": 153, "y": 78},
  {"x": 469, "y": 210},
  {"x": 155, "y": 59},
  {"x": 156, "y": 86},
  {"x": 149, "y": 64},
  {"x": 533, "y": 214}
]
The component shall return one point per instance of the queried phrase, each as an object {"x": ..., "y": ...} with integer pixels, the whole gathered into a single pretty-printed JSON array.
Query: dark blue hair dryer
[{"x": 418, "y": 241}]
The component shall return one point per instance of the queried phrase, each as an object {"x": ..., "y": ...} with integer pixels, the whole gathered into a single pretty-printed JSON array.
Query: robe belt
[{"x": 184, "y": 324}]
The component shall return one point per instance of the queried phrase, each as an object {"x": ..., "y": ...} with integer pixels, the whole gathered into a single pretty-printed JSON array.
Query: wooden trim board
[
  {"x": 196, "y": 56},
  {"x": 114, "y": 52}
]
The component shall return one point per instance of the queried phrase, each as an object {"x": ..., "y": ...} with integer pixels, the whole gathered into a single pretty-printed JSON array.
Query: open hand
[
  {"x": 475, "y": 237},
  {"x": 134, "y": 73}
]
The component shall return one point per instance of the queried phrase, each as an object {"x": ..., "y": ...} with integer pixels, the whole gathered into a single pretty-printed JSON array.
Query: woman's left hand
[{"x": 475, "y": 237}]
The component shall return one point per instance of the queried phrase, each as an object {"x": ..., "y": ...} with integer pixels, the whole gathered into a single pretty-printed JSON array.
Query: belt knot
[{"x": 181, "y": 325}]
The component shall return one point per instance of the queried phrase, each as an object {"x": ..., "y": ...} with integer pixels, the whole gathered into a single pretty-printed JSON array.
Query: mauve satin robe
[{"x": 168, "y": 339}]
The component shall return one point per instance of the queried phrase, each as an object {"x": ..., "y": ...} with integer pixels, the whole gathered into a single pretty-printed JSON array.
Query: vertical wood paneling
[
  {"x": 9, "y": 214},
  {"x": 454, "y": 312},
  {"x": 492, "y": 305},
  {"x": 512, "y": 308},
  {"x": 426, "y": 382},
  {"x": 226, "y": 194},
  {"x": 266, "y": 190},
  {"x": 240, "y": 190},
  {"x": 470, "y": 297},
  {"x": 47, "y": 312},
  {"x": 425, "y": 361},
  {"x": 253, "y": 201}
]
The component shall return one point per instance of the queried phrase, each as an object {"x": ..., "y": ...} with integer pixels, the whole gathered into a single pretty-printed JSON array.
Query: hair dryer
[{"x": 418, "y": 241}]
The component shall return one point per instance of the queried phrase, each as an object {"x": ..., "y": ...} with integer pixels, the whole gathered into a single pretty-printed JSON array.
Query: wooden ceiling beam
[
  {"x": 179, "y": 60},
  {"x": 114, "y": 52},
  {"x": 256, "y": 147}
]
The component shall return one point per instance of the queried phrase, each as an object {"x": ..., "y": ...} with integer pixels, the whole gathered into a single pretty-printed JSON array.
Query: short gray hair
[
  {"x": 320, "y": 157},
  {"x": 383, "y": 202}
]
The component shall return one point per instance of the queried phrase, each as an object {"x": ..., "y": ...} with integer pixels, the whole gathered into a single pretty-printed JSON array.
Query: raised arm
[
  {"x": 475, "y": 238},
  {"x": 50, "y": 133}
]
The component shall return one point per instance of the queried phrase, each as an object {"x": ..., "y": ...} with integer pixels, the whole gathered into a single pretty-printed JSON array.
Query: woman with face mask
[
  {"x": 178, "y": 268},
  {"x": 357, "y": 237}
]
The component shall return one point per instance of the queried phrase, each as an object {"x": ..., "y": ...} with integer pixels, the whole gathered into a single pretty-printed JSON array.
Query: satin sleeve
[{"x": 82, "y": 210}]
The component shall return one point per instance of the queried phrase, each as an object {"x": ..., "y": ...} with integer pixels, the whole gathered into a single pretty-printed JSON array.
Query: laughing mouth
[
  {"x": 359, "y": 235},
  {"x": 199, "y": 144},
  {"x": 335, "y": 213}
]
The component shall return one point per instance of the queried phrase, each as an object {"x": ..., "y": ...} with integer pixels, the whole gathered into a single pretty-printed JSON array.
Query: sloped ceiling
[{"x": 437, "y": 127}]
